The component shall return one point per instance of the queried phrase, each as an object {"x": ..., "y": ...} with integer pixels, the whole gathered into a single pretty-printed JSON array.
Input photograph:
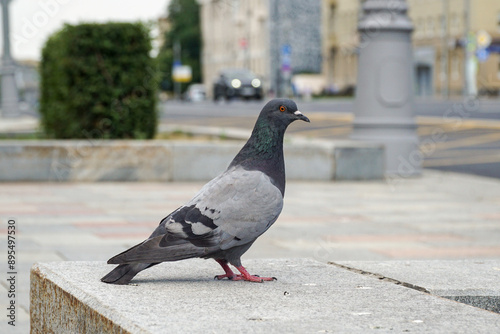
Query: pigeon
[{"x": 229, "y": 213}]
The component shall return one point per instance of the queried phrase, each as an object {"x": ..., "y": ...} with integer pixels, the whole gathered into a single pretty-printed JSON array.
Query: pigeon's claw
[{"x": 219, "y": 277}]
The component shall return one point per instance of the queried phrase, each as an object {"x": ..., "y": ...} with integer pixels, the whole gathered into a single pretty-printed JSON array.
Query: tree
[
  {"x": 184, "y": 19},
  {"x": 98, "y": 81}
]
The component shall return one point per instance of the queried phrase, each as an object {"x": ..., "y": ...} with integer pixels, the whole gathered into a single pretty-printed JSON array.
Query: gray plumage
[{"x": 229, "y": 212}]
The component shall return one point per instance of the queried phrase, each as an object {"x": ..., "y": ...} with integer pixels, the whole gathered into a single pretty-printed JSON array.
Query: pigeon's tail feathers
[
  {"x": 156, "y": 249},
  {"x": 123, "y": 273}
]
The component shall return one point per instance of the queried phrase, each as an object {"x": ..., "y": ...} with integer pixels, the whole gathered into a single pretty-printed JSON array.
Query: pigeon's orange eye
[{"x": 282, "y": 108}]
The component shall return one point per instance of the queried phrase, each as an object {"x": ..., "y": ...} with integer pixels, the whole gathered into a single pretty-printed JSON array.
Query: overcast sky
[{"x": 33, "y": 21}]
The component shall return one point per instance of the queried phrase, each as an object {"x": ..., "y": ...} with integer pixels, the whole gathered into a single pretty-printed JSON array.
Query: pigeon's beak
[{"x": 301, "y": 116}]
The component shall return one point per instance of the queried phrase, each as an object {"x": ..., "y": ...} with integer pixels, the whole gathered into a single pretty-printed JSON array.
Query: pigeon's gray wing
[
  {"x": 241, "y": 204},
  {"x": 231, "y": 210}
]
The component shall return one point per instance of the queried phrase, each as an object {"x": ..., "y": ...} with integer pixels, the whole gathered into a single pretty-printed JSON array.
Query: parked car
[
  {"x": 195, "y": 93},
  {"x": 237, "y": 82}
]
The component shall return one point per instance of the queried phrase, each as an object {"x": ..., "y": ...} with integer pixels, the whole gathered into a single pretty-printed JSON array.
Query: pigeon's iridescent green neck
[
  {"x": 264, "y": 151},
  {"x": 267, "y": 140}
]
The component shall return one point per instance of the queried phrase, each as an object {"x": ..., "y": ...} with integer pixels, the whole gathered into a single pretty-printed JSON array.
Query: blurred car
[
  {"x": 195, "y": 93},
  {"x": 237, "y": 82}
]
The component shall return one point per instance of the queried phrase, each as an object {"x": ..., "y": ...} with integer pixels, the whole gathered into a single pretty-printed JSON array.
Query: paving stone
[
  {"x": 473, "y": 282},
  {"x": 325, "y": 221}
]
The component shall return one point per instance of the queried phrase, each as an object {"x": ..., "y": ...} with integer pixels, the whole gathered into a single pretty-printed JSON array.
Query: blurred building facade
[
  {"x": 340, "y": 43},
  {"x": 438, "y": 45},
  {"x": 272, "y": 38}
]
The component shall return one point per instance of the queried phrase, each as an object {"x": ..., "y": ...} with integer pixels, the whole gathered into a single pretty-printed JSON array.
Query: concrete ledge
[
  {"x": 473, "y": 282},
  {"x": 309, "y": 297},
  {"x": 159, "y": 160},
  {"x": 24, "y": 124}
]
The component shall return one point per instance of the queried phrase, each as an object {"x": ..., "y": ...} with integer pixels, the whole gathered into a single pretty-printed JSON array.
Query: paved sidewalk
[{"x": 437, "y": 216}]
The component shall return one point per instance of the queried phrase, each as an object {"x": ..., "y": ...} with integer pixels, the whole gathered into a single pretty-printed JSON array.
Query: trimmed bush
[{"x": 98, "y": 81}]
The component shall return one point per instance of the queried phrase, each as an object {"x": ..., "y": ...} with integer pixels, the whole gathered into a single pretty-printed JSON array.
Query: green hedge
[{"x": 98, "y": 81}]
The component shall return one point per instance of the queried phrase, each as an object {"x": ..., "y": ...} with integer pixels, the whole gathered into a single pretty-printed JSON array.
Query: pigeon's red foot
[
  {"x": 245, "y": 276},
  {"x": 249, "y": 278}
]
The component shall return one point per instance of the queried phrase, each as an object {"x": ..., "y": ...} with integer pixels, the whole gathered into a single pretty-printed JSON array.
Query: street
[{"x": 459, "y": 135}]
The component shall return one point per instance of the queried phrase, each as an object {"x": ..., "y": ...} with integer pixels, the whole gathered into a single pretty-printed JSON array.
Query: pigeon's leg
[
  {"x": 228, "y": 272},
  {"x": 251, "y": 278}
]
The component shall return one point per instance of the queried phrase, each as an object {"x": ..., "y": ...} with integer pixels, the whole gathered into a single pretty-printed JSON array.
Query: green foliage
[
  {"x": 184, "y": 19},
  {"x": 98, "y": 81}
]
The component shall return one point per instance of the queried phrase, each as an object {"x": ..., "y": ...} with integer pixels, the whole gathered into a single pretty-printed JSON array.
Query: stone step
[{"x": 180, "y": 297}]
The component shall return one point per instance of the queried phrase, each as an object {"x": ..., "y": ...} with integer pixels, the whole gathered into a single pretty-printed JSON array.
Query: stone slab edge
[
  {"x": 77, "y": 306},
  {"x": 57, "y": 292}
]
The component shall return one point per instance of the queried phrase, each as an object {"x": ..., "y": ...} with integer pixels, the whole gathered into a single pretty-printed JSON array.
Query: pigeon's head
[{"x": 283, "y": 109}]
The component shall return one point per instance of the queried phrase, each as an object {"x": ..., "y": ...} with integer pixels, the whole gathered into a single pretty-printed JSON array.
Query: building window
[
  {"x": 443, "y": 23},
  {"x": 419, "y": 28},
  {"x": 333, "y": 7},
  {"x": 455, "y": 68},
  {"x": 430, "y": 27},
  {"x": 331, "y": 19},
  {"x": 455, "y": 23}
]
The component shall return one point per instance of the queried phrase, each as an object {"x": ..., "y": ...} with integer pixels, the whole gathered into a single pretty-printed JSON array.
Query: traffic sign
[
  {"x": 286, "y": 58},
  {"x": 286, "y": 49},
  {"x": 176, "y": 63},
  {"x": 182, "y": 73},
  {"x": 482, "y": 54},
  {"x": 483, "y": 39}
]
